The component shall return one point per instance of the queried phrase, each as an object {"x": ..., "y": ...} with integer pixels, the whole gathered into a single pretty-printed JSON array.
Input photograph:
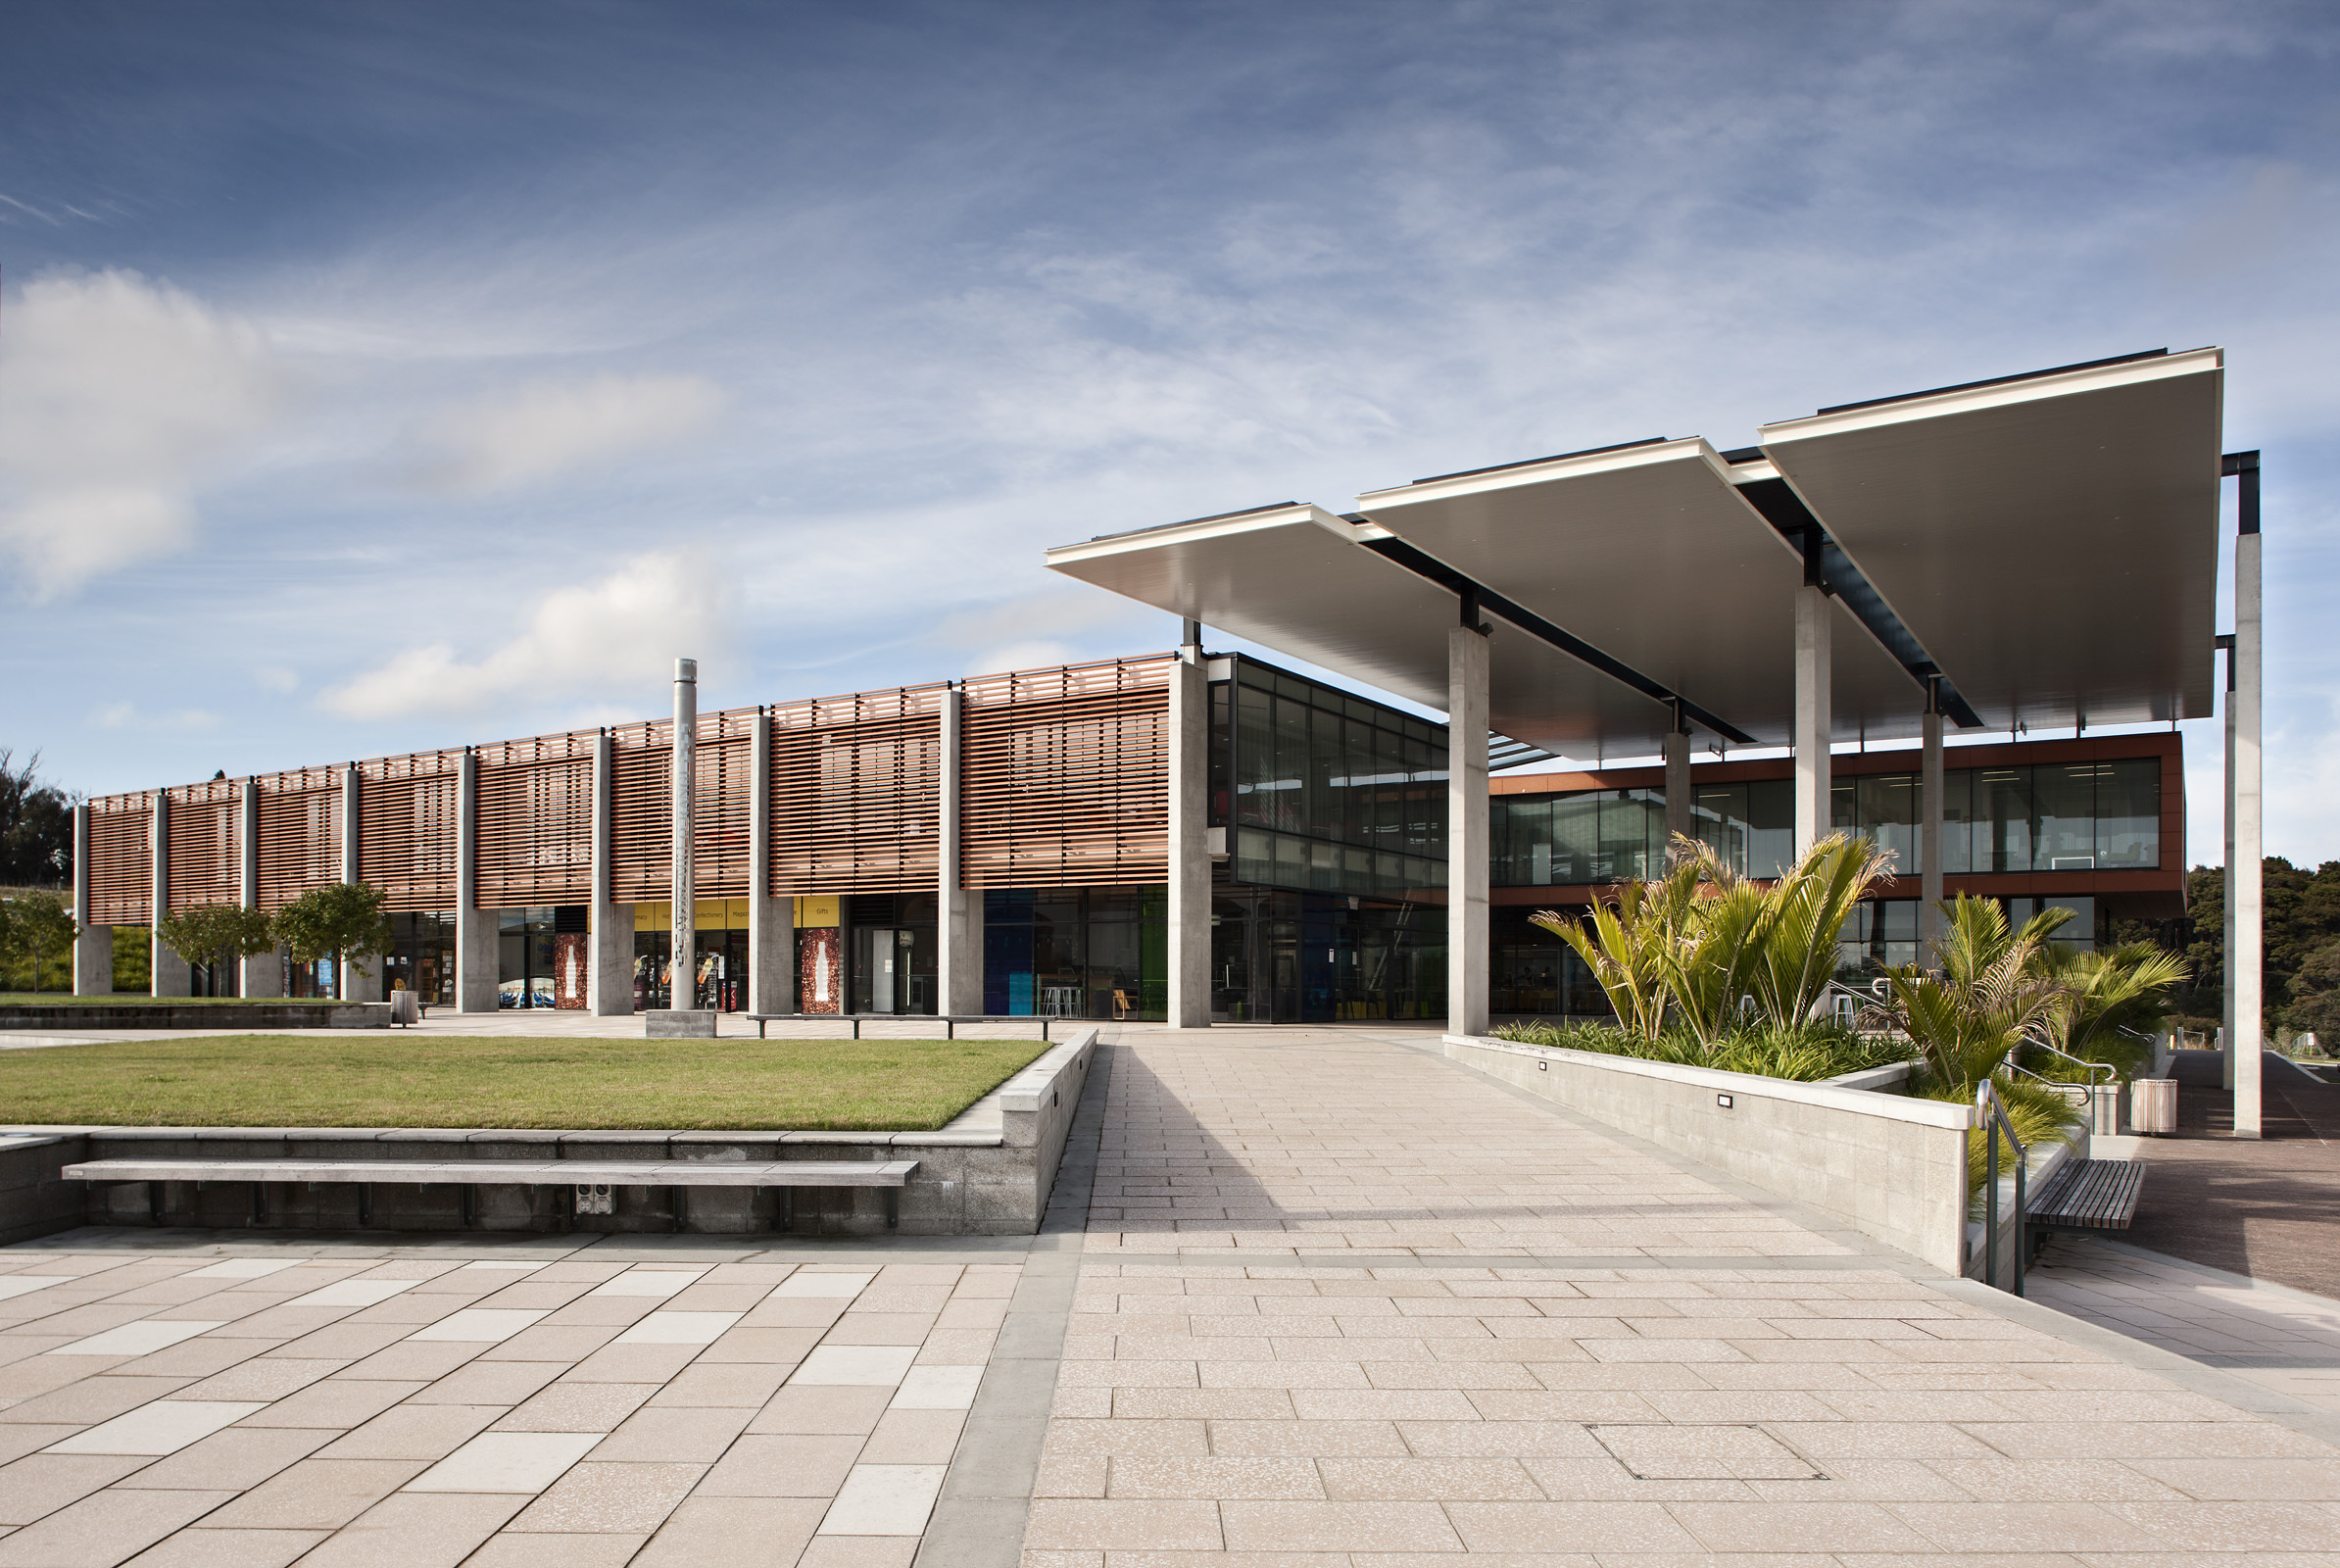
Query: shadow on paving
[
  {"x": 1166, "y": 1170},
  {"x": 2267, "y": 1207}
]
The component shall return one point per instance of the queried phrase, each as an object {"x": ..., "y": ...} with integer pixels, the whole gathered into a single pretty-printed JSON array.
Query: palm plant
[
  {"x": 1709, "y": 966},
  {"x": 1627, "y": 940},
  {"x": 1796, "y": 955},
  {"x": 2107, "y": 1000}
]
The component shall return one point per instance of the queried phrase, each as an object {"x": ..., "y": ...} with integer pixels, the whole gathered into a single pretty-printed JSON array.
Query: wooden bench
[
  {"x": 948, "y": 1020},
  {"x": 580, "y": 1177},
  {"x": 2087, "y": 1197}
]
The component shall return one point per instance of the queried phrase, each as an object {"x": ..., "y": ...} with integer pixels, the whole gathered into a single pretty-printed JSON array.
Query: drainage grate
[{"x": 1704, "y": 1454}]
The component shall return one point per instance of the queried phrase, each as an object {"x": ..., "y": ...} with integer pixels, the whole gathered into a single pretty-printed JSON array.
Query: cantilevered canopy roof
[
  {"x": 1650, "y": 554},
  {"x": 2052, "y": 540},
  {"x": 1298, "y": 580},
  {"x": 2039, "y": 549}
]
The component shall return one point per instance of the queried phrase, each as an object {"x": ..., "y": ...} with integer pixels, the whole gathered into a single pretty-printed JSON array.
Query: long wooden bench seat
[
  {"x": 2088, "y": 1196},
  {"x": 585, "y": 1179},
  {"x": 948, "y": 1020}
]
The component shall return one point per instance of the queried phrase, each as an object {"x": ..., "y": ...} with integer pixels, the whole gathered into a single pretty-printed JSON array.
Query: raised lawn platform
[
  {"x": 452, "y": 1081},
  {"x": 534, "y": 1134}
]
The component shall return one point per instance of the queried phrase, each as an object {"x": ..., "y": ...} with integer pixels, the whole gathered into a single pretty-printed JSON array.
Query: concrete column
[
  {"x": 2226, "y": 931},
  {"x": 1190, "y": 842},
  {"x": 475, "y": 950},
  {"x": 356, "y": 987},
  {"x": 263, "y": 973},
  {"x": 1467, "y": 951},
  {"x": 93, "y": 945},
  {"x": 958, "y": 918},
  {"x": 682, "y": 980},
  {"x": 610, "y": 949},
  {"x": 1930, "y": 786},
  {"x": 1680, "y": 823},
  {"x": 771, "y": 921},
  {"x": 171, "y": 977},
  {"x": 1815, "y": 717},
  {"x": 2245, "y": 954}
]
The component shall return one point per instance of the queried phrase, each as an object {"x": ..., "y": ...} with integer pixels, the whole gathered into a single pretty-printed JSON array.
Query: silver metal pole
[{"x": 683, "y": 972}]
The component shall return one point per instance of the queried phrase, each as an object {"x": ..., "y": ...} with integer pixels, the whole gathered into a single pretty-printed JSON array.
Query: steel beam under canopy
[
  {"x": 1296, "y": 578},
  {"x": 1649, "y": 554},
  {"x": 2052, "y": 540}
]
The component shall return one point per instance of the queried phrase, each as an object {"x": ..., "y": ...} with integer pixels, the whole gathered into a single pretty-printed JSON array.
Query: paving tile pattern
[
  {"x": 1301, "y": 1340},
  {"x": 347, "y": 1404}
]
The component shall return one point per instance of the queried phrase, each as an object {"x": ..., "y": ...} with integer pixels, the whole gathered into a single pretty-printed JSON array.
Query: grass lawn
[
  {"x": 470, "y": 1081},
  {"x": 66, "y": 999}
]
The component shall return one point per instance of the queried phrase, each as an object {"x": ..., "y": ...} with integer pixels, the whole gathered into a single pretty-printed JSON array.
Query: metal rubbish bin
[
  {"x": 2104, "y": 1109},
  {"x": 405, "y": 1008},
  {"x": 2153, "y": 1106}
]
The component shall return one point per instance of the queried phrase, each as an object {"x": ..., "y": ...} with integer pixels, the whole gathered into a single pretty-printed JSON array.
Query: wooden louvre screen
[
  {"x": 407, "y": 813},
  {"x": 1065, "y": 777},
  {"x": 121, "y": 862},
  {"x": 207, "y": 845},
  {"x": 721, "y": 802},
  {"x": 300, "y": 833},
  {"x": 534, "y": 843},
  {"x": 857, "y": 793},
  {"x": 642, "y": 813}
]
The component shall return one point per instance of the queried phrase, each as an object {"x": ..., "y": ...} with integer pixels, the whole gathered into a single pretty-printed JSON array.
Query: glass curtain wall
[
  {"x": 2082, "y": 817},
  {"x": 1323, "y": 791},
  {"x": 1076, "y": 953},
  {"x": 1281, "y": 955},
  {"x": 422, "y": 957},
  {"x": 890, "y": 943}
]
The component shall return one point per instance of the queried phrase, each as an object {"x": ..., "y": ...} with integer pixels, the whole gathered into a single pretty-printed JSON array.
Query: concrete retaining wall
[
  {"x": 1893, "y": 1168},
  {"x": 255, "y": 1016},
  {"x": 966, "y": 1184}
]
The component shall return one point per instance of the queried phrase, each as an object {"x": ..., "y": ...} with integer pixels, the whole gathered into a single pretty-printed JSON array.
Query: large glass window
[
  {"x": 1326, "y": 791},
  {"x": 1075, "y": 952},
  {"x": 2129, "y": 815},
  {"x": 2028, "y": 818}
]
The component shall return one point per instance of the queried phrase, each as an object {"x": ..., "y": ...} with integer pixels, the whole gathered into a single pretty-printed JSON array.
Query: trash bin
[
  {"x": 2104, "y": 1110},
  {"x": 405, "y": 1008},
  {"x": 2153, "y": 1106}
]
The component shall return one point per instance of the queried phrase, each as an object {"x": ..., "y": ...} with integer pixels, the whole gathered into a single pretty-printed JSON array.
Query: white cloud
[
  {"x": 125, "y": 715},
  {"x": 116, "y": 395},
  {"x": 598, "y": 641},
  {"x": 275, "y": 678},
  {"x": 547, "y": 430}
]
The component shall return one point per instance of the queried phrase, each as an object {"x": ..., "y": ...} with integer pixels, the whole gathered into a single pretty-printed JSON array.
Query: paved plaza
[{"x": 1307, "y": 1298}]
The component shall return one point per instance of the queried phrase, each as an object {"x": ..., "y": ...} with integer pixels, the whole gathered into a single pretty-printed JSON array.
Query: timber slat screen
[
  {"x": 641, "y": 812},
  {"x": 721, "y": 802},
  {"x": 407, "y": 809},
  {"x": 207, "y": 845},
  {"x": 534, "y": 814},
  {"x": 857, "y": 793},
  {"x": 300, "y": 833},
  {"x": 1065, "y": 777},
  {"x": 122, "y": 867}
]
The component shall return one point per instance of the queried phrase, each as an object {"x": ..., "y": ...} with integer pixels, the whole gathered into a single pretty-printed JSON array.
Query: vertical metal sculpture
[{"x": 682, "y": 984}]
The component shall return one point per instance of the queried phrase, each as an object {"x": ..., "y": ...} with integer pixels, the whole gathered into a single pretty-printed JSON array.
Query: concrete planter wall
[
  {"x": 254, "y": 1017},
  {"x": 1893, "y": 1168},
  {"x": 966, "y": 1184}
]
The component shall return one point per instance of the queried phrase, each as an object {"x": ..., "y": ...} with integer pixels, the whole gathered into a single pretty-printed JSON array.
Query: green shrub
[{"x": 1804, "y": 1055}]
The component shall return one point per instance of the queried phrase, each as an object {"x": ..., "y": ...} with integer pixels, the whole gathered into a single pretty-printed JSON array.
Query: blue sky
[{"x": 383, "y": 376}]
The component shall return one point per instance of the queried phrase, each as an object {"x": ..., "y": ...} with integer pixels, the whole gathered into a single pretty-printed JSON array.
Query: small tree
[
  {"x": 38, "y": 926},
  {"x": 218, "y": 933},
  {"x": 338, "y": 920}
]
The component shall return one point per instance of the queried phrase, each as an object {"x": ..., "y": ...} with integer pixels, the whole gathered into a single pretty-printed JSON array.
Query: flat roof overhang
[
  {"x": 1650, "y": 554},
  {"x": 1304, "y": 582},
  {"x": 2051, "y": 540}
]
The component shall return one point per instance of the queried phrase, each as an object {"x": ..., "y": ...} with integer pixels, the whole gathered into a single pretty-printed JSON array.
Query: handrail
[
  {"x": 1994, "y": 1120},
  {"x": 2110, "y": 1072}
]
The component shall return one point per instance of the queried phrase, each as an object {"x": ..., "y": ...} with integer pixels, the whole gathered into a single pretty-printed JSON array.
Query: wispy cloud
[
  {"x": 595, "y": 641},
  {"x": 549, "y": 430},
  {"x": 117, "y": 396}
]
